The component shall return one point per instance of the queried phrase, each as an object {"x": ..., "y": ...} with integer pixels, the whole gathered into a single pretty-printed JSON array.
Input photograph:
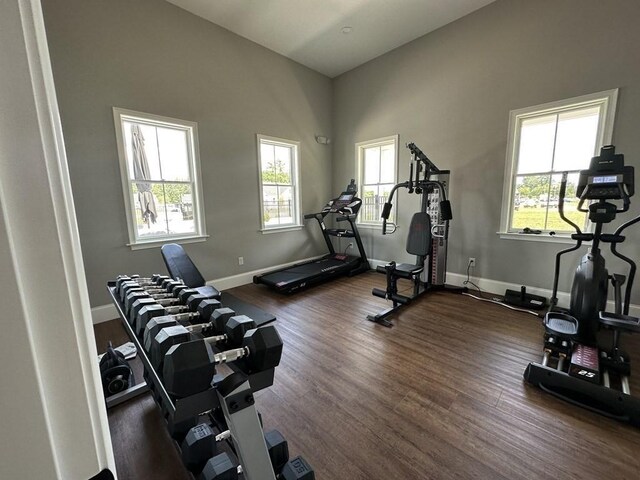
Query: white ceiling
[{"x": 310, "y": 31}]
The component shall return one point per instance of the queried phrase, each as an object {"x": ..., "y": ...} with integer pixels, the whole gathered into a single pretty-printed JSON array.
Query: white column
[{"x": 54, "y": 422}]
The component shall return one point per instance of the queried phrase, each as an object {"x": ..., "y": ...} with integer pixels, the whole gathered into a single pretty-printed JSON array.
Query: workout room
[{"x": 298, "y": 239}]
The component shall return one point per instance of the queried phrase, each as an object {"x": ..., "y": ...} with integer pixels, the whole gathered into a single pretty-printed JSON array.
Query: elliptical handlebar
[{"x": 561, "y": 196}]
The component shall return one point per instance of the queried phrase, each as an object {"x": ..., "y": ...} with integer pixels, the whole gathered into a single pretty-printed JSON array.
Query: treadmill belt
[{"x": 308, "y": 272}]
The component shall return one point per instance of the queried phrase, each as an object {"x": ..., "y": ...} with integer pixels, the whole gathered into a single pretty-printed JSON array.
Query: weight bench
[{"x": 180, "y": 266}]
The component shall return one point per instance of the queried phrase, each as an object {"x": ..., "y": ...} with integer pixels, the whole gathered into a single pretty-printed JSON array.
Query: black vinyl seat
[
  {"x": 181, "y": 267},
  {"x": 418, "y": 244}
]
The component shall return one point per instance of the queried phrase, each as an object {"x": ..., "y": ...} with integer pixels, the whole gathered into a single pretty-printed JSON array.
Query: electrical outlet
[
  {"x": 472, "y": 262},
  {"x": 240, "y": 260}
]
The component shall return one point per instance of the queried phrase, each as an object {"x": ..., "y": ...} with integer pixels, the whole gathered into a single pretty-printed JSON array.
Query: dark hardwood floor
[{"x": 438, "y": 396}]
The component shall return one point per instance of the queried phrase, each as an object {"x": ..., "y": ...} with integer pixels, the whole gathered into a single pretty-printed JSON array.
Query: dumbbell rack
[{"x": 233, "y": 394}]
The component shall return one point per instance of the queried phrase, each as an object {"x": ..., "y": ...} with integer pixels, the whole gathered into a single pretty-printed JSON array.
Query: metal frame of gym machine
[
  {"x": 233, "y": 394},
  {"x": 586, "y": 381},
  {"x": 434, "y": 188}
]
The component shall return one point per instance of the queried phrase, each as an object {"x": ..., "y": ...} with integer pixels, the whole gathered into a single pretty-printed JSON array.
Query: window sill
[
  {"x": 288, "y": 228},
  {"x": 541, "y": 237},
  {"x": 160, "y": 242}
]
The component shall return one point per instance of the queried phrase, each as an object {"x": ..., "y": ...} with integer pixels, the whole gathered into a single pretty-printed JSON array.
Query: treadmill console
[{"x": 342, "y": 201}]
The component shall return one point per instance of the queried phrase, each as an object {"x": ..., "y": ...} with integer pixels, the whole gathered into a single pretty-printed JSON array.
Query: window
[
  {"x": 279, "y": 190},
  {"x": 376, "y": 176},
  {"x": 160, "y": 172},
  {"x": 545, "y": 141}
]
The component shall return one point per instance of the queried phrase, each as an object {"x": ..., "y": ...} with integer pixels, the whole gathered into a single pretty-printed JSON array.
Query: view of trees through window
[
  {"x": 378, "y": 178},
  {"x": 158, "y": 162},
  {"x": 549, "y": 144},
  {"x": 277, "y": 167}
]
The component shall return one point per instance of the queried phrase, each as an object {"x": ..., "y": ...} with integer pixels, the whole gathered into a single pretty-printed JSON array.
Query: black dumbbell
[
  {"x": 203, "y": 316},
  {"x": 140, "y": 303},
  {"x": 235, "y": 330},
  {"x": 220, "y": 467},
  {"x": 159, "y": 283},
  {"x": 136, "y": 278},
  {"x": 201, "y": 443},
  {"x": 189, "y": 367},
  {"x": 278, "y": 449},
  {"x": 166, "y": 289},
  {"x": 132, "y": 295},
  {"x": 297, "y": 469},
  {"x": 149, "y": 311},
  {"x": 180, "y": 295}
]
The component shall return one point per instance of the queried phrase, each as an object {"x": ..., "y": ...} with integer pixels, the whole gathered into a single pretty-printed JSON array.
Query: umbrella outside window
[{"x": 146, "y": 199}]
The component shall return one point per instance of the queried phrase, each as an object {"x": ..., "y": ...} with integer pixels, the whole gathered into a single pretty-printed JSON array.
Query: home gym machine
[
  {"x": 577, "y": 364},
  {"x": 427, "y": 237},
  {"x": 345, "y": 208}
]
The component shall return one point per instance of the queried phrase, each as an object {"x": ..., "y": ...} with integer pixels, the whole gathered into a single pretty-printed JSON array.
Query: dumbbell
[
  {"x": 189, "y": 367},
  {"x": 191, "y": 299},
  {"x": 221, "y": 467},
  {"x": 152, "y": 310},
  {"x": 235, "y": 329},
  {"x": 167, "y": 288},
  {"x": 201, "y": 443},
  {"x": 139, "y": 280},
  {"x": 206, "y": 317},
  {"x": 297, "y": 469},
  {"x": 153, "y": 286},
  {"x": 181, "y": 297},
  {"x": 172, "y": 291}
]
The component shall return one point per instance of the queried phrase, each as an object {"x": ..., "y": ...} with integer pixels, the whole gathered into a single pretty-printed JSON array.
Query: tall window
[
  {"x": 377, "y": 161},
  {"x": 279, "y": 185},
  {"x": 160, "y": 172},
  {"x": 545, "y": 141}
]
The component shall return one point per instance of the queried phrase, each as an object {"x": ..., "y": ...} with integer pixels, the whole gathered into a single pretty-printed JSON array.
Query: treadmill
[{"x": 345, "y": 208}]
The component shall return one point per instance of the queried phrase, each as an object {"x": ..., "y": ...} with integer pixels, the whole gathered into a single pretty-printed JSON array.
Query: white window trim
[
  {"x": 135, "y": 243},
  {"x": 360, "y": 146},
  {"x": 295, "y": 170},
  {"x": 608, "y": 99}
]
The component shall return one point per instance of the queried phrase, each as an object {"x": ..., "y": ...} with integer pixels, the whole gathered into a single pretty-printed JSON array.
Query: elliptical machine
[
  {"x": 586, "y": 372},
  {"x": 427, "y": 238}
]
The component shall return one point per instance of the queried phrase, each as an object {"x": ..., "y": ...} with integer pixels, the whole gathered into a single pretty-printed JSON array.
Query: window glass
[
  {"x": 377, "y": 176},
  {"x": 278, "y": 182},
  {"x": 160, "y": 170},
  {"x": 551, "y": 139}
]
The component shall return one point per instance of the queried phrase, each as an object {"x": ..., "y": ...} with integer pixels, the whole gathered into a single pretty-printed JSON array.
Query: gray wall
[
  {"x": 451, "y": 92},
  {"x": 151, "y": 56}
]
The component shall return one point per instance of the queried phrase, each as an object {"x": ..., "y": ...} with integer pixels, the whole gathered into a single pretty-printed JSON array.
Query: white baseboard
[
  {"x": 109, "y": 312},
  {"x": 498, "y": 287}
]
